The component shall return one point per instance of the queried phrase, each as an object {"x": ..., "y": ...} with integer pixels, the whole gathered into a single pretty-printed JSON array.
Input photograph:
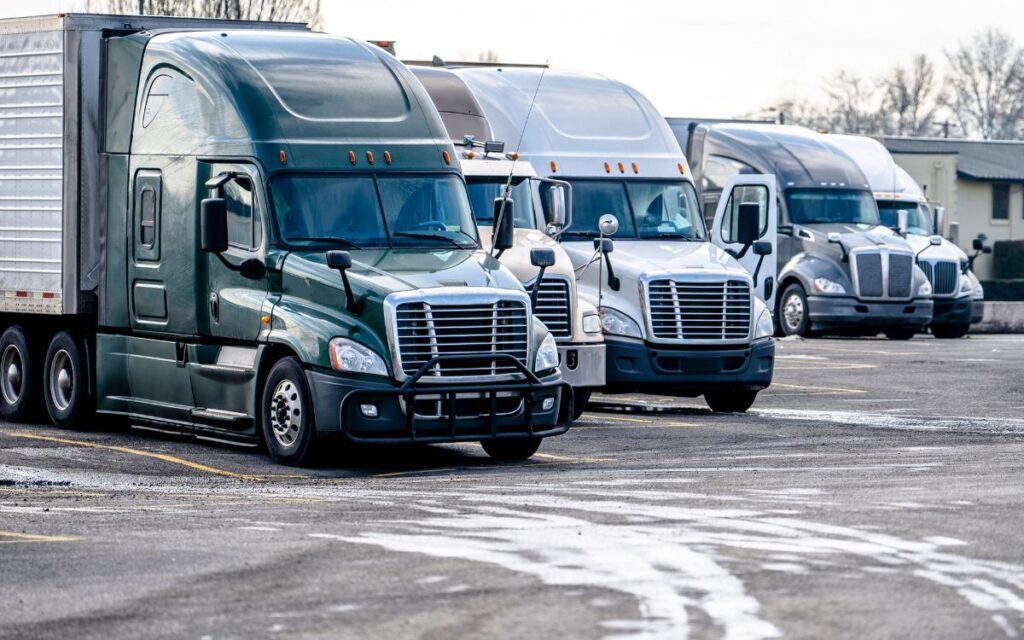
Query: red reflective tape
[
  {"x": 48, "y": 294},
  {"x": 21, "y": 294}
]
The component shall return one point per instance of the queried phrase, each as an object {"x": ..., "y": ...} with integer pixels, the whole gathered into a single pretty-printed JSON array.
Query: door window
[
  {"x": 243, "y": 224},
  {"x": 749, "y": 194},
  {"x": 147, "y": 215}
]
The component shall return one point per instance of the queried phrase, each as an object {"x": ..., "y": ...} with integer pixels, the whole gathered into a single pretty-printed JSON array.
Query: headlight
[
  {"x": 547, "y": 355},
  {"x": 824, "y": 285},
  {"x": 978, "y": 292},
  {"x": 924, "y": 290},
  {"x": 592, "y": 323},
  {"x": 966, "y": 286},
  {"x": 618, "y": 323},
  {"x": 352, "y": 357},
  {"x": 765, "y": 327}
]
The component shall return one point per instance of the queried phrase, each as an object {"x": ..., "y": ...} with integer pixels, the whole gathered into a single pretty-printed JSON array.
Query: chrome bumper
[{"x": 582, "y": 365}]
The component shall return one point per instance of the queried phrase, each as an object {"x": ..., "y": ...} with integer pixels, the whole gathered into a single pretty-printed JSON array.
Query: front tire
[
  {"x": 512, "y": 448},
  {"x": 950, "y": 331},
  {"x": 900, "y": 333},
  {"x": 730, "y": 401},
  {"x": 580, "y": 398},
  {"x": 794, "y": 318},
  {"x": 286, "y": 414},
  {"x": 18, "y": 384},
  {"x": 65, "y": 384}
]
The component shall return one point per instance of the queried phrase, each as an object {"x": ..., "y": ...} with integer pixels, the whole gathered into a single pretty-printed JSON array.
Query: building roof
[{"x": 976, "y": 159}]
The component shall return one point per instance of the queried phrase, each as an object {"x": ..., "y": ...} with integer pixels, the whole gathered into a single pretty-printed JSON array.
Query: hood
[
  {"x": 517, "y": 258},
  {"x": 857, "y": 236},
  {"x": 945, "y": 251},
  {"x": 635, "y": 258}
]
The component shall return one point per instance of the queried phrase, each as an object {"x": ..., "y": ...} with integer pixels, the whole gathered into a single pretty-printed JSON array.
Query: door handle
[{"x": 215, "y": 307}]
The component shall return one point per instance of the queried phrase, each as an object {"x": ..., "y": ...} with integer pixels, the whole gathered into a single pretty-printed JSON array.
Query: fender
[{"x": 805, "y": 267}]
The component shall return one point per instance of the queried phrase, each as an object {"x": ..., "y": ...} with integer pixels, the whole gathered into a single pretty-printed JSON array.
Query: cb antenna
[{"x": 507, "y": 191}]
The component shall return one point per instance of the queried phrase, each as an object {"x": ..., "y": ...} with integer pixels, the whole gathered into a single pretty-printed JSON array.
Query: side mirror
[
  {"x": 835, "y": 238},
  {"x": 213, "y": 225},
  {"x": 762, "y": 248},
  {"x": 978, "y": 244},
  {"x": 556, "y": 206},
  {"x": 935, "y": 241},
  {"x": 748, "y": 223},
  {"x": 504, "y": 224},
  {"x": 605, "y": 246},
  {"x": 342, "y": 262},
  {"x": 940, "y": 220},
  {"x": 608, "y": 224},
  {"x": 901, "y": 221},
  {"x": 542, "y": 257}
]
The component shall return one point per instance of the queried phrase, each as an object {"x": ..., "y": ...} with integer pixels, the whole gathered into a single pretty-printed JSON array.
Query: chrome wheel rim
[
  {"x": 12, "y": 367},
  {"x": 793, "y": 312},
  {"x": 286, "y": 412},
  {"x": 62, "y": 380}
]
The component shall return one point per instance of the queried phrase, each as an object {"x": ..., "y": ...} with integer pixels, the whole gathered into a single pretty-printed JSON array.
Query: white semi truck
[
  {"x": 958, "y": 296},
  {"x": 682, "y": 307}
]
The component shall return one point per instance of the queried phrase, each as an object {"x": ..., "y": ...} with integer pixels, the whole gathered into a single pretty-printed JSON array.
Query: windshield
[
  {"x": 645, "y": 209},
  {"x": 825, "y": 206},
  {"x": 372, "y": 212},
  {"x": 483, "y": 191},
  {"x": 919, "y": 218}
]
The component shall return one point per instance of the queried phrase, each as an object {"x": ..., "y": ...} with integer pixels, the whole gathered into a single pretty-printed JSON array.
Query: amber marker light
[
  {"x": 622, "y": 169},
  {"x": 636, "y": 168},
  {"x": 681, "y": 169},
  {"x": 514, "y": 155},
  {"x": 447, "y": 157},
  {"x": 282, "y": 156},
  {"x": 607, "y": 168},
  {"x": 471, "y": 154},
  {"x": 554, "y": 166},
  {"x": 369, "y": 157},
  {"x": 265, "y": 319},
  {"x": 387, "y": 158},
  {"x": 352, "y": 158}
]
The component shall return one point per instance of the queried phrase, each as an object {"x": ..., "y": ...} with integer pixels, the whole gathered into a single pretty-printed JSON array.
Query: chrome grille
[
  {"x": 553, "y": 307},
  {"x": 425, "y": 329},
  {"x": 699, "y": 309},
  {"x": 943, "y": 274},
  {"x": 883, "y": 274}
]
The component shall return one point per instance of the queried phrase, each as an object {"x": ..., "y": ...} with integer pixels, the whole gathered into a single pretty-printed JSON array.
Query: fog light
[
  {"x": 548, "y": 404},
  {"x": 368, "y": 410}
]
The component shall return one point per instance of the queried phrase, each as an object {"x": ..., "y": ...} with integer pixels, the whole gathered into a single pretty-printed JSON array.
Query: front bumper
[
  {"x": 688, "y": 371},
  {"x": 835, "y": 312},
  {"x": 952, "y": 310},
  {"x": 446, "y": 412},
  {"x": 582, "y": 364},
  {"x": 977, "y": 311}
]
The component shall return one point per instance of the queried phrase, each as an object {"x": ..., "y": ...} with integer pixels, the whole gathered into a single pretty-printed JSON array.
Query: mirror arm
[
  {"x": 613, "y": 280},
  {"x": 226, "y": 263},
  {"x": 536, "y": 287},
  {"x": 757, "y": 269},
  {"x": 351, "y": 304}
]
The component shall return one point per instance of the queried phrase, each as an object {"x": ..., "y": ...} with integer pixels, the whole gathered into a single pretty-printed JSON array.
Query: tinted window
[
  {"x": 1000, "y": 202},
  {"x": 427, "y": 210},
  {"x": 753, "y": 194},
  {"x": 919, "y": 218},
  {"x": 666, "y": 210},
  {"x": 239, "y": 200},
  {"x": 483, "y": 191},
  {"x": 147, "y": 221},
  {"x": 718, "y": 170},
  {"x": 824, "y": 206},
  {"x": 317, "y": 209},
  {"x": 591, "y": 199}
]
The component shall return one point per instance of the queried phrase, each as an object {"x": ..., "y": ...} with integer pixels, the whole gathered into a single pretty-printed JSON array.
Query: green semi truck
[{"x": 253, "y": 233}]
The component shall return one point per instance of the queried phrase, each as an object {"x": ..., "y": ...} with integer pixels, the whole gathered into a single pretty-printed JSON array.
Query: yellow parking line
[
  {"x": 137, "y": 452},
  {"x": 397, "y": 474},
  {"x": 657, "y": 425},
  {"x": 551, "y": 456},
  {"x": 830, "y": 389},
  {"x": 10, "y": 537}
]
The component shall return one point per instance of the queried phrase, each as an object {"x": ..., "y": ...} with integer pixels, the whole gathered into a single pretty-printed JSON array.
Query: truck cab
[
  {"x": 840, "y": 269},
  {"x": 958, "y": 296},
  {"x": 288, "y": 252},
  {"x": 489, "y": 172},
  {"x": 682, "y": 315}
]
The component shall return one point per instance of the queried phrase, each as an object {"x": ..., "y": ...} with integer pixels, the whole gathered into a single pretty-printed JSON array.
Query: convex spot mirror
[
  {"x": 213, "y": 220},
  {"x": 608, "y": 224},
  {"x": 935, "y": 240},
  {"x": 504, "y": 223},
  {"x": 556, "y": 206},
  {"x": 748, "y": 223}
]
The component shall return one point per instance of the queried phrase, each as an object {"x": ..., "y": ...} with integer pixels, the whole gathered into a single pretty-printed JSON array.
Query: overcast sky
[{"x": 718, "y": 58}]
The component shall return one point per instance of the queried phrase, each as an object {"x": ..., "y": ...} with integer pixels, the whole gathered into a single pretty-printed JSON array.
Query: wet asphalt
[{"x": 875, "y": 490}]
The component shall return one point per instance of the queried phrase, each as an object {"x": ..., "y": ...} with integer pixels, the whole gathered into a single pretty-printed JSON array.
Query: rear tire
[
  {"x": 730, "y": 401},
  {"x": 18, "y": 384},
  {"x": 793, "y": 316},
  {"x": 512, "y": 448},
  {"x": 950, "y": 331},
  {"x": 900, "y": 333},
  {"x": 286, "y": 415},
  {"x": 65, "y": 383}
]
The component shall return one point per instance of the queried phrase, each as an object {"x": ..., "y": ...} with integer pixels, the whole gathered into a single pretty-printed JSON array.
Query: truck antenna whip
[{"x": 507, "y": 191}]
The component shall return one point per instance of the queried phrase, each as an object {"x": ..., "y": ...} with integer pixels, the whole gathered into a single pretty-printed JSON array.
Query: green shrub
[
  {"x": 1004, "y": 290},
  {"x": 1008, "y": 259}
]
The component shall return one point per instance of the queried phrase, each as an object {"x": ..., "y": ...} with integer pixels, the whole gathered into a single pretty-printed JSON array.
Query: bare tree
[
  {"x": 852, "y": 105},
  {"x": 487, "y": 55},
  {"x": 986, "y": 79},
  {"x": 911, "y": 98},
  {"x": 307, "y": 11}
]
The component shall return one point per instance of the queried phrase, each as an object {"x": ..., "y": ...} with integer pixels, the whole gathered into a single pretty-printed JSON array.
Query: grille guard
[{"x": 409, "y": 390}]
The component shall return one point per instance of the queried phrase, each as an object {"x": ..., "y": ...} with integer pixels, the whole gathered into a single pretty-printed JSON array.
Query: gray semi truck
[
  {"x": 250, "y": 232},
  {"x": 839, "y": 269}
]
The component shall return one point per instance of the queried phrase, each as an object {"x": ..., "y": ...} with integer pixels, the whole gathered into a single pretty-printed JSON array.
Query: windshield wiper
[
  {"x": 334, "y": 239},
  {"x": 669, "y": 234},
  {"x": 578, "y": 234},
  {"x": 434, "y": 236}
]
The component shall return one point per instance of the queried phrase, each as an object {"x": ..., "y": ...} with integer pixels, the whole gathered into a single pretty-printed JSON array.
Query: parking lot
[{"x": 873, "y": 491}]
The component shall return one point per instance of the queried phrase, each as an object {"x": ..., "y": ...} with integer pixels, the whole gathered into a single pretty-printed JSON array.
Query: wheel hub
[
  {"x": 285, "y": 412},
  {"x": 62, "y": 380},
  {"x": 11, "y": 365},
  {"x": 793, "y": 312}
]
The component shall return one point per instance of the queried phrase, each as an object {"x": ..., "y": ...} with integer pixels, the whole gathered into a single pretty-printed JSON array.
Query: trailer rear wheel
[
  {"x": 511, "y": 449},
  {"x": 18, "y": 386},
  {"x": 286, "y": 414},
  {"x": 730, "y": 401},
  {"x": 65, "y": 386}
]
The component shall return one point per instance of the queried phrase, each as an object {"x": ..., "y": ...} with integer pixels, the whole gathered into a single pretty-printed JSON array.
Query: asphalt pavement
[{"x": 874, "y": 491}]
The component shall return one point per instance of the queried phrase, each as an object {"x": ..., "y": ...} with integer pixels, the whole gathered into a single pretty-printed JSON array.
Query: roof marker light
[
  {"x": 471, "y": 154},
  {"x": 369, "y": 157},
  {"x": 352, "y": 157},
  {"x": 514, "y": 155},
  {"x": 387, "y": 158},
  {"x": 447, "y": 157},
  {"x": 682, "y": 171},
  {"x": 622, "y": 169},
  {"x": 636, "y": 168},
  {"x": 607, "y": 168},
  {"x": 282, "y": 156},
  {"x": 554, "y": 167}
]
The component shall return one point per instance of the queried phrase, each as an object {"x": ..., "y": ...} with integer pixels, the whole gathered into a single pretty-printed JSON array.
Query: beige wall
[{"x": 967, "y": 202}]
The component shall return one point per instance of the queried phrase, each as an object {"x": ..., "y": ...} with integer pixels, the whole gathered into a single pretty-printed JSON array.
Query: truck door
[
  {"x": 222, "y": 364},
  {"x": 759, "y": 190}
]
